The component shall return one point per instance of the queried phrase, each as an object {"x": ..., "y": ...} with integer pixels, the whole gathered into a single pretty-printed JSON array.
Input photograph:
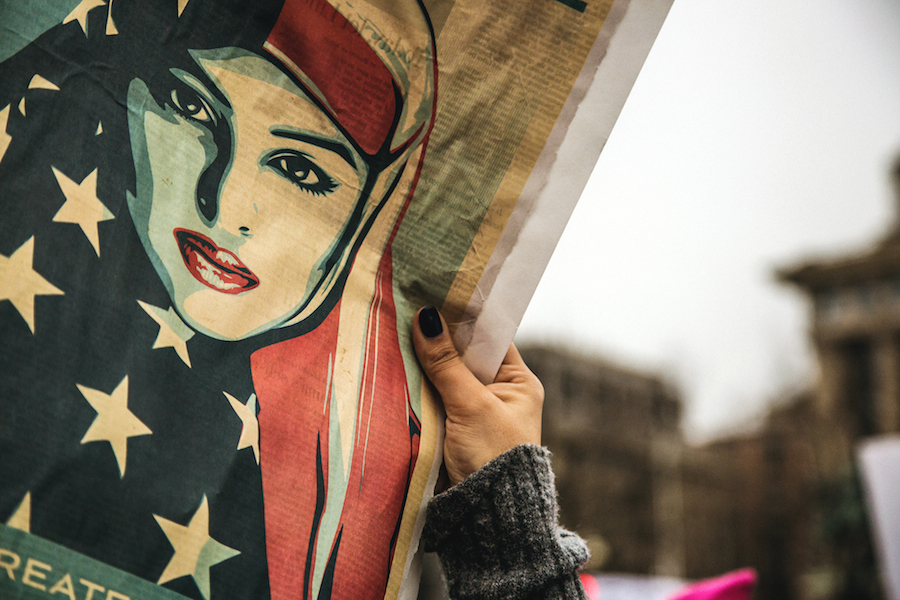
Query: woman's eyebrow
[{"x": 335, "y": 147}]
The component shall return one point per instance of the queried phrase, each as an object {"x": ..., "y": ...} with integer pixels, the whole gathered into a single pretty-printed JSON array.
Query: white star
[
  {"x": 114, "y": 422},
  {"x": 19, "y": 283},
  {"x": 195, "y": 550},
  {"x": 40, "y": 83},
  {"x": 250, "y": 430},
  {"x": 110, "y": 25},
  {"x": 80, "y": 13},
  {"x": 37, "y": 83},
  {"x": 173, "y": 333},
  {"x": 82, "y": 206},
  {"x": 5, "y": 138},
  {"x": 21, "y": 517}
]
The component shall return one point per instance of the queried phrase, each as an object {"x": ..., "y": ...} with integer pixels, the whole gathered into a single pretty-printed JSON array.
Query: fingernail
[{"x": 430, "y": 322}]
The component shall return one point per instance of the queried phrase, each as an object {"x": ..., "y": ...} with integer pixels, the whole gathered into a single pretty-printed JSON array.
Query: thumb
[{"x": 441, "y": 362}]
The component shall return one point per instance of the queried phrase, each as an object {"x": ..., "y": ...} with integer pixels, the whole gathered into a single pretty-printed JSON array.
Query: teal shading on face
[{"x": 244, "y": 189}]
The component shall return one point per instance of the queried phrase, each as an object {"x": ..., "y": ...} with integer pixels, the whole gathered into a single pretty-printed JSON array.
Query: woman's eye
[
  {"x": 297, "y": 168},
  {"x": 191, "y": 106}
]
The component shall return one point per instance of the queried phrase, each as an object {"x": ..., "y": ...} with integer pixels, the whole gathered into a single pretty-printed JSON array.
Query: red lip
[{"x": 212, "y": 266}]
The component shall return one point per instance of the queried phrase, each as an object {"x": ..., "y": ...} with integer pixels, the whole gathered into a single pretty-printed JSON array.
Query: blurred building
[
  {"x": 856, "y": 331},
  {"x": 772, "y": 469},
  {"x": 649, "y": 503},
  {"x": 855, "y": 328}
]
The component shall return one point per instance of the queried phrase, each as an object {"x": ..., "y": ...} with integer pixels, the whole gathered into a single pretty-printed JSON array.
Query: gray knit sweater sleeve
[{"x": 497, "y": 536}]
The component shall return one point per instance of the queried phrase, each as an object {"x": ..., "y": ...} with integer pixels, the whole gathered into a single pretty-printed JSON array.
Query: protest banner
[
  {"x": 878, "y": 458},
  {"x": 217, "y": 219}
]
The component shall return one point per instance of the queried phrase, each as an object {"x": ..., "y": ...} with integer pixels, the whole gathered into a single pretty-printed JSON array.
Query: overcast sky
[{"x": 759, "y": 134}]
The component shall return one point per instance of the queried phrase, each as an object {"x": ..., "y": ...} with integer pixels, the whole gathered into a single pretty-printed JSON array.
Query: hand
[{"x": 483, "y": 421}]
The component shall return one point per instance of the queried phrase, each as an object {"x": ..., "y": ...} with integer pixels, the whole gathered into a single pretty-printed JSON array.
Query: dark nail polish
[{"x": 430, "y": 322}]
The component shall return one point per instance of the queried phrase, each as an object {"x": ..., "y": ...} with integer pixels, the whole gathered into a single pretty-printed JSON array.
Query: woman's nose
[
  {"x": 210, "y": 183},
  {"x": 239, "y": 210}
]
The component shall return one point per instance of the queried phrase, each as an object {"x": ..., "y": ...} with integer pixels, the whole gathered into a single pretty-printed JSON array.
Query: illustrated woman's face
[{"x": 245, "y": 194}]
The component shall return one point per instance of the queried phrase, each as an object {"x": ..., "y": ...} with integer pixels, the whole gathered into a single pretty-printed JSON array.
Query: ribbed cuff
[{"x": 496, "y": 532}]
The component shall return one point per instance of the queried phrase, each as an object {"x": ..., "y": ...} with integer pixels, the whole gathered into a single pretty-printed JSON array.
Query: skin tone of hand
[{"x": 483, "y": 421}]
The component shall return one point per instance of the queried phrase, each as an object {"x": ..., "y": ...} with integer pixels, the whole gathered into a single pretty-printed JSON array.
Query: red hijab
[{"x": 292, "y": 379}]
